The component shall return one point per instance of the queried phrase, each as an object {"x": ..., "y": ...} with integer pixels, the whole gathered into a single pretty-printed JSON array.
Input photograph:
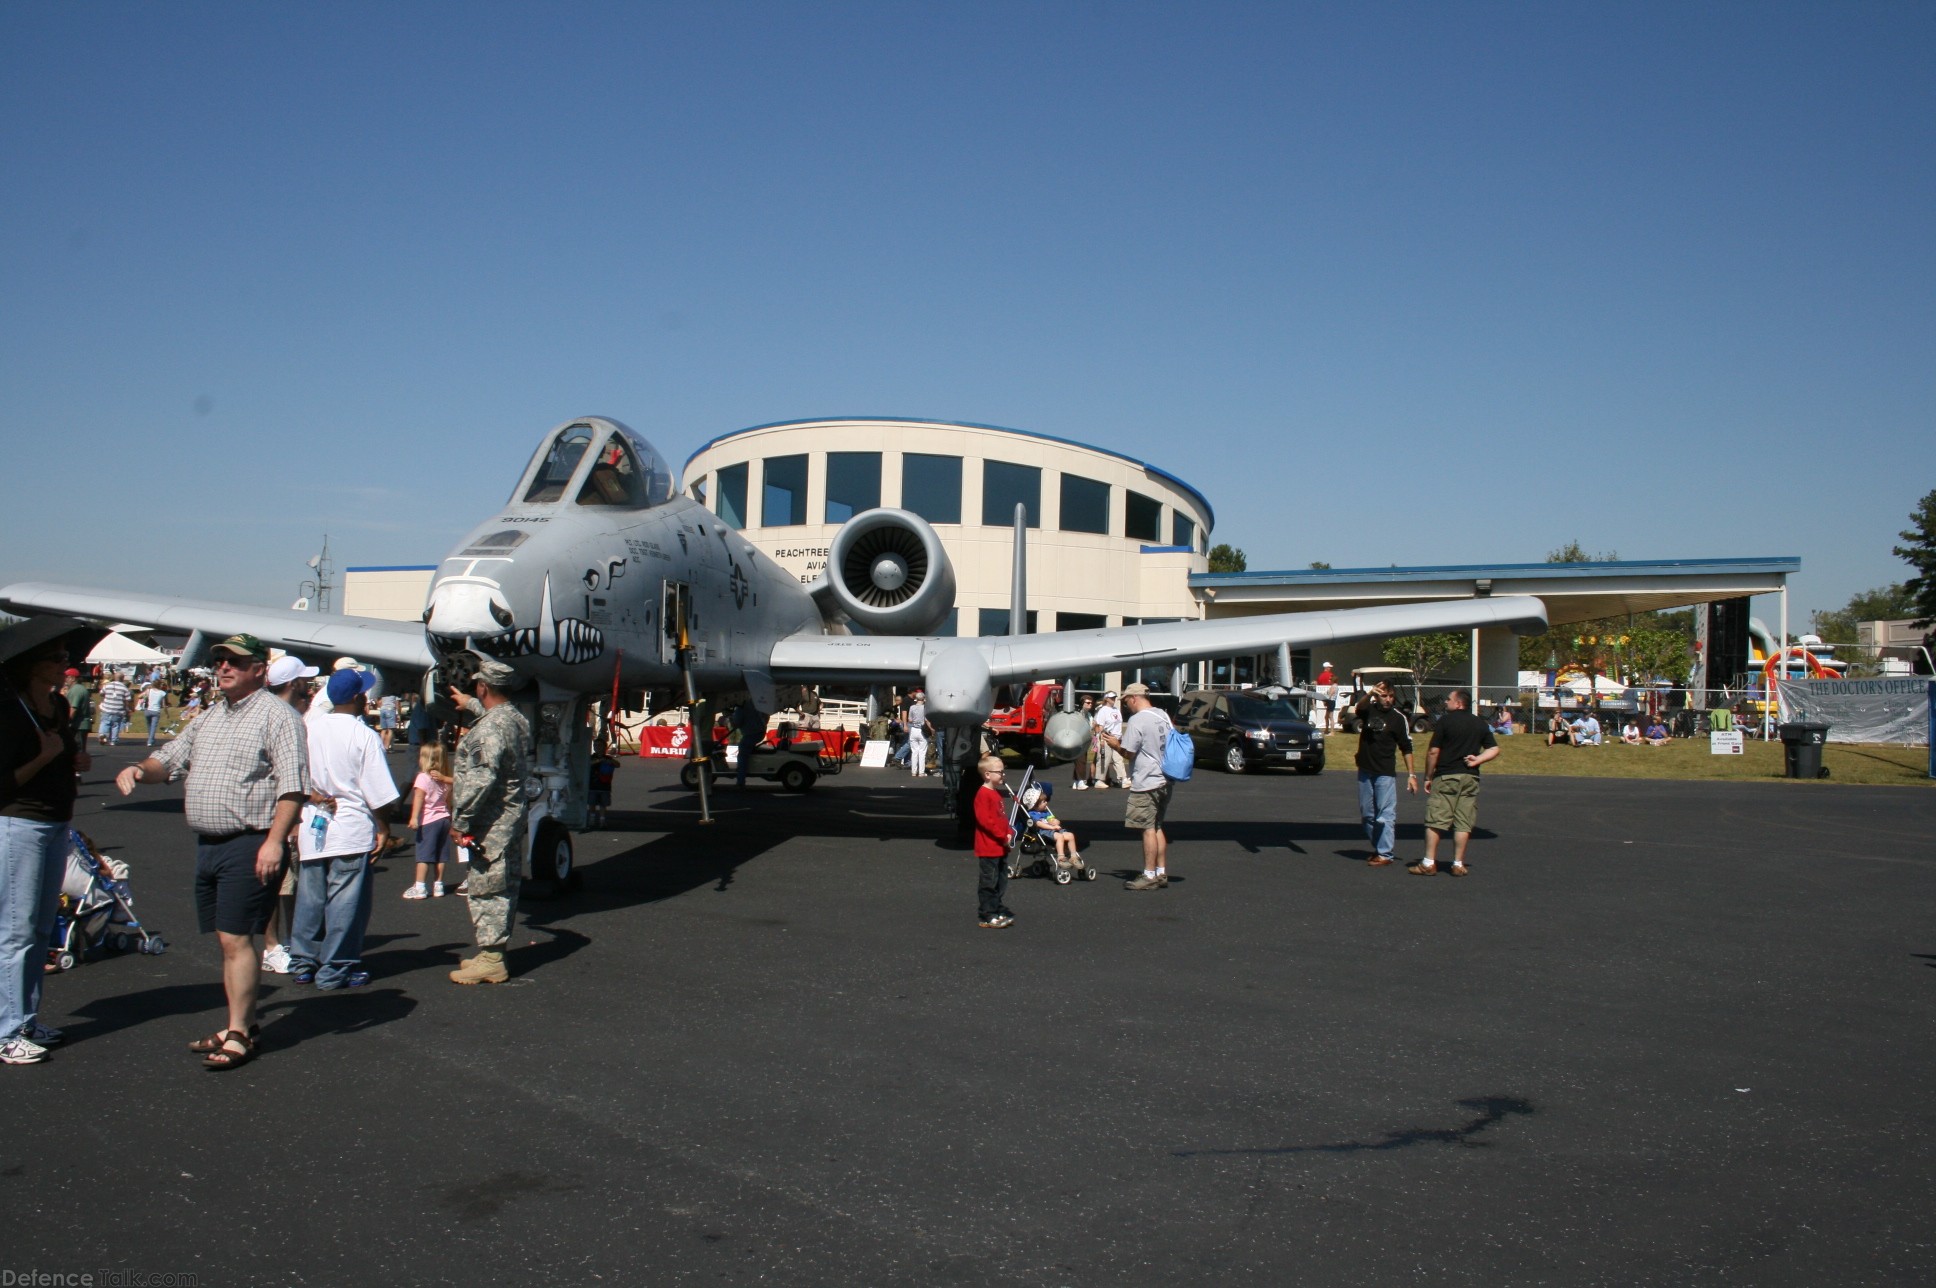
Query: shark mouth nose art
[{"x": 569, "y": 639}]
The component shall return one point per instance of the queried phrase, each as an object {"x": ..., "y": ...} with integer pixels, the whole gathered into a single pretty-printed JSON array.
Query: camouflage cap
[
  {"x": 243, "y": 646},
  {"x": 496, "y": 674}
]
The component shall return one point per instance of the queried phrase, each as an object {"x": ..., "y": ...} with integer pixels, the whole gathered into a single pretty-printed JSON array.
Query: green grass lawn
[{"x": 1685, "y": 758}]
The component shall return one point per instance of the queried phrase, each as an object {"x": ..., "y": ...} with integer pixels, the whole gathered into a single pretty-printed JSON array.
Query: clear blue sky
[{"x": 1390, "y": 283}]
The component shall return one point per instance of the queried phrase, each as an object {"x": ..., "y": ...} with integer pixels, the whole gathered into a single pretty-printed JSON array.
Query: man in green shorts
[{"x": 1461, "y": 743}]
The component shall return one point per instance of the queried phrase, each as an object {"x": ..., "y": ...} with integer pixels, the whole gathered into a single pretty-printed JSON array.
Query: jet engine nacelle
[{"x": 887, "y": 571}]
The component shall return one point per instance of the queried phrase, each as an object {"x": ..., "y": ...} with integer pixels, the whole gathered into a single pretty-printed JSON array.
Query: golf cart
[
  {"x": 1404, "y": 684},
  {"x": 794, "y": 765}
]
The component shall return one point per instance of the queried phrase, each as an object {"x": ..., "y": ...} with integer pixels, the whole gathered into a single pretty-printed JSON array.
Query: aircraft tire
[{"x": 554, "y": 868}]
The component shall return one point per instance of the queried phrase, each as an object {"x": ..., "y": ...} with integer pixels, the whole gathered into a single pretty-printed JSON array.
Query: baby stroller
[
  {"x": 1035, "y": 836},
  {"x": 96, "y": 909}
]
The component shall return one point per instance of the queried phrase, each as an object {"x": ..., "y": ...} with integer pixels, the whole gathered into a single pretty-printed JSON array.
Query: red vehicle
[{"x": 1020, "y": 727}]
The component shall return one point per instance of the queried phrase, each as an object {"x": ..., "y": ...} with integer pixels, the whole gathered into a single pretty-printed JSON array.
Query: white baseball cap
[{"x": 287, "y": 668}]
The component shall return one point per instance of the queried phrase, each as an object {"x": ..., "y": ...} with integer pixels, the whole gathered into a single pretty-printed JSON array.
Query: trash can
[{"x": 1801, "y": 745}]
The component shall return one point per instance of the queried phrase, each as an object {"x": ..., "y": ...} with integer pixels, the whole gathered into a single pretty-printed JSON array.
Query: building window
[
  {"x": 732, "y": 495},
  {"x": 853, "y": 484},
  {"x": 994, "y": 621},
  {"x": 1085, "y": 505},
  {"x": 931, "y": 486},
  {"x": 1080, "y": 621},
  {"x": 1142, "y": 517},
  {"x": 1005, "y": 486},
  {"x": 783, "y": 494},
  {"x": 1183, "y": 531}
]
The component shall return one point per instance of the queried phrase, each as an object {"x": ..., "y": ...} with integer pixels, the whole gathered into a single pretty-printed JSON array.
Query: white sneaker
[
  {"x": 437, "y": 890},
  {"x": 1081, "y": 786},
  {"x": 416, "y": 891},
  {"x": 43, "y": 1035},
  {"x": 21, "y": 1051},
  {"x": 276, "y": 960}
]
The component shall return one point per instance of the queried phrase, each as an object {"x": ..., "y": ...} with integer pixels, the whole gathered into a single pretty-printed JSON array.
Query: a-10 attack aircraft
[{"x": 598, "y": 575}]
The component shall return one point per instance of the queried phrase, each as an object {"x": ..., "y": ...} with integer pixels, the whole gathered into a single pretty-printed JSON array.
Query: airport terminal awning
[{"x": 1572, "y": 592}]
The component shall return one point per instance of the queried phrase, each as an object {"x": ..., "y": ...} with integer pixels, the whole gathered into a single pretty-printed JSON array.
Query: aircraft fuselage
[{"x": 576, "y": 591}]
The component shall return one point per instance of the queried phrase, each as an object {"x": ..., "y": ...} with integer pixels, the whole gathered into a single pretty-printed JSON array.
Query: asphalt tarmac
[{"x": 1666, "y": 1033}]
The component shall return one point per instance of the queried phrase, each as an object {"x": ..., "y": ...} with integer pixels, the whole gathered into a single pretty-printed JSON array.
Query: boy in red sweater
[{"x": 992, "y": 839}]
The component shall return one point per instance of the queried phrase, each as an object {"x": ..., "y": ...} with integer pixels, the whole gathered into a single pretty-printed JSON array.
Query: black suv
[{"x": 1241, "y": 731}]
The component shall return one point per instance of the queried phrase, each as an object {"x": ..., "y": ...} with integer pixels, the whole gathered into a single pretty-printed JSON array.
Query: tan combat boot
[{"x": 485, "y": 968}]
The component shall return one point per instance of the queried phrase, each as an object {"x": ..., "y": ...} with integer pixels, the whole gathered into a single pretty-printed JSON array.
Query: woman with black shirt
[{"x": 39, "y": 758}]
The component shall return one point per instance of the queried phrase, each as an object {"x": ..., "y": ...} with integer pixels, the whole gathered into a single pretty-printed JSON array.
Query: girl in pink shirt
[{"x": 430, "y": 816}]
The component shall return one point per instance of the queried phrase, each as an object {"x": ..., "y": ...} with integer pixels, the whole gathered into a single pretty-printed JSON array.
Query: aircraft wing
[
  {"x": 799, "y": 659},
  {"x": 316, "y": 635}
]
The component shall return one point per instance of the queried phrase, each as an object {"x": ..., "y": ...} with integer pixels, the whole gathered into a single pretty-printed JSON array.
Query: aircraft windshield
[
  {"x": 615, "y": 478},
  {"x": 548, "y": 484}
]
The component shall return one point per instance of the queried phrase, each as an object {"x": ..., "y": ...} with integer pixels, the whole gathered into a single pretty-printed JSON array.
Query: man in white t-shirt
[
  {"x": 918, "y": 730},
  {"x": 1107, "y": 762},
  {"x": 1145, "y": 735},
  {"x": 154, "y": 705},
  {"x": 344, "y": 823}
]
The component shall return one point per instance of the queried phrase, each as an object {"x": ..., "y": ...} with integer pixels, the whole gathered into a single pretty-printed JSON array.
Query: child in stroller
[
  {"x": 96, "y": 908},
  {"x": 1043, "y": 833}
]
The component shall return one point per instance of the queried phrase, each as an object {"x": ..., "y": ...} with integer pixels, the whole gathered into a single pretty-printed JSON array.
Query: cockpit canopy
[{"x": 595, "y": 461}]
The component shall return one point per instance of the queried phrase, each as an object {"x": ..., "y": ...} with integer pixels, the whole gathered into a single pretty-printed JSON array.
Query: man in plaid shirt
[{"x": 248, "y": 774}]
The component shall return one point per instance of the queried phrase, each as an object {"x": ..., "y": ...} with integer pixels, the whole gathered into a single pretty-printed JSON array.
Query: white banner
[{"x": 1893, "y": 710}]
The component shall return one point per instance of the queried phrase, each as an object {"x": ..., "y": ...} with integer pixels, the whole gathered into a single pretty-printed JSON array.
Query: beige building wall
[
  {"x": 1104, "y": 575},
  {"x": 395, "y": 594}
]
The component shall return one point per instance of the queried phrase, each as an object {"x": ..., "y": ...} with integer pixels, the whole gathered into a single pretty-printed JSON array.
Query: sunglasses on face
[{"x": 237, "y": 663}]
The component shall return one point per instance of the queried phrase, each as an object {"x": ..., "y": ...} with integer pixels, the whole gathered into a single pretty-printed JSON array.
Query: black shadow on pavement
[{"x": 1491, "y": 1111}]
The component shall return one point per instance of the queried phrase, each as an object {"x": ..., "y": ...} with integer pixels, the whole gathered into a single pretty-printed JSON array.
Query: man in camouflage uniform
[{"x": 487, "y": 815}]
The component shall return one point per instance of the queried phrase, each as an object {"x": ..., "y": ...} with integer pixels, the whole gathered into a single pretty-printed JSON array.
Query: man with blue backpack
[{"x": 1160, "y": 756}]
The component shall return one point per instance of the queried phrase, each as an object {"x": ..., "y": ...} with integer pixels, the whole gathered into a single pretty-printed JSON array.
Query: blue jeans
[
  {"x": 111, "y": 727},
  {"x": 333, "y": 899},
  {"x": 1378, "y": 807},
  {"x": 33, "y": 861},
  {"x": 154, "y": 726}
]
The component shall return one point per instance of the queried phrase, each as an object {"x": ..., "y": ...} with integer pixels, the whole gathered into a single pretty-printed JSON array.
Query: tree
[
  {"x": 1427, "y": 655},
  {"x": 1653, "y": 653},
  {"x": 1227, "y": 558},
  {"x": 1919, "y": 552},
  {"x": 1574, "y": 552},
  {"x": 1882, "y": 604}
]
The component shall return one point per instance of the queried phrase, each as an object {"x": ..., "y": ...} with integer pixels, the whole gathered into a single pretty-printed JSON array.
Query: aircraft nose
[{"x": 459, "y": 610}]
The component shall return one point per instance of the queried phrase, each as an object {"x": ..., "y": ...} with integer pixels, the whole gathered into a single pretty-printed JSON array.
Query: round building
[{"x": 1112, "y": 540}]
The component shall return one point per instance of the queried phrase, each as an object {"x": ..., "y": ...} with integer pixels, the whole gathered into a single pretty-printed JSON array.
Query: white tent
[{"x": 118, "y": 650}]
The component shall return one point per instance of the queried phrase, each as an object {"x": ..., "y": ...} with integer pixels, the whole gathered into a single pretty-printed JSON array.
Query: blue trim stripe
[
  {"x": 394, "y": 568},
  {"x": 1166, "y": 550},
  {"x": 1209, "y": 513},
  {"x": 1777, "y": 564}
]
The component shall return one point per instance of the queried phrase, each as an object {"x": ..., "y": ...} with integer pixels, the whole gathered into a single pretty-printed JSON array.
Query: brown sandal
[
  {"x": 1458, "y": 869},
  {"x": 202, "y": 1046},
  {"x": 223, "y": 1058}
]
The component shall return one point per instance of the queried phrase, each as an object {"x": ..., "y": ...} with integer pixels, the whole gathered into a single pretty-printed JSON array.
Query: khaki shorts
[
  {"x": 1147, "y": 809},
  {"x": 1454, "y": 803}
]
